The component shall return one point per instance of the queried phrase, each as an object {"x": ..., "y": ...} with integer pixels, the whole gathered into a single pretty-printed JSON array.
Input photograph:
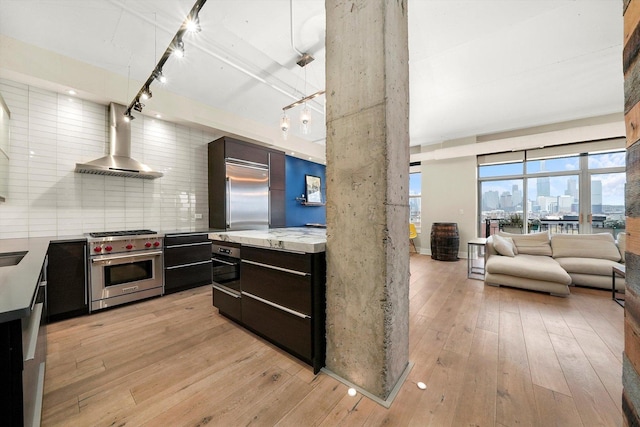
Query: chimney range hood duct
[{"x": 118, "y": 162}]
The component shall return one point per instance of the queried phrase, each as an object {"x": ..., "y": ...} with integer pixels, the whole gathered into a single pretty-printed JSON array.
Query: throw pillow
[
  {"x": 531, "y": 244},
  {"x": 504, "y": 245}
]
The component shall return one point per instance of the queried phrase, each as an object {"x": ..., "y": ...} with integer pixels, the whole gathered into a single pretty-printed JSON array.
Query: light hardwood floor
[{"x": 489, "y": 356}]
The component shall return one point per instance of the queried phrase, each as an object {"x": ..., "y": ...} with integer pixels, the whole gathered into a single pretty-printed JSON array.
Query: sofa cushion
[
  {"x": 530, "y": 244},
  {"x": 504, "y": 245},
  {"x": 622, "y": 245},
  {"x": 600, "y": 246},
  {"x": 528, "y": 266},
  {"x": 592, "y": 266}
]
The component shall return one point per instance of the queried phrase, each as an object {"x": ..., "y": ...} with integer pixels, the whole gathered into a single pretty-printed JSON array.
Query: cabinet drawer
[
  {"x": 180, "y": 278},
  {"x": 284, "y": 329},
  {"x": 287, "y": 289},
  {"x": 185, "y": 239},
  {"x": 289, "y": 260},
  {"x": 179, "y": 255},
  {"x": 228, "y": 303}
]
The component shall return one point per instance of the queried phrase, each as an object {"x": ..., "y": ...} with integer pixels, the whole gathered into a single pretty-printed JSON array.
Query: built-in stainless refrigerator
[{"x": 247, "y": 195}]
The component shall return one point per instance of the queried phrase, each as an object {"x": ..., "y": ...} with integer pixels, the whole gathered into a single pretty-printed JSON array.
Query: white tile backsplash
[{"x": 51, "y": 132}]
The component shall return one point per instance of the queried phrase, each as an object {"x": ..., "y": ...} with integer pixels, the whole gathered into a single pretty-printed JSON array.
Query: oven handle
[
  {"x": 111, "y": 258},
  {"x": 191, "y": 264},
  {"x": 214, "y": 259}
]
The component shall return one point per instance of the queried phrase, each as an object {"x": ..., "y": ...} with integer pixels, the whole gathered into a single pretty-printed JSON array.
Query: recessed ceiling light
[
  {"x": 158, "y": 116},
  {"x": 71, "y": 92},
  {"x": 352, "y": 392}
]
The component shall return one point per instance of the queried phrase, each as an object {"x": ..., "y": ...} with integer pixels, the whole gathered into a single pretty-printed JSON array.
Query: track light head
[
  {"x": 193, "y": 25},
  {"x": 178, "y": 49},
  {"x": 127, "y": 116},
  {"x": 146, "y": 93},
  {"x": 157, "y": 74},
  {"x": 138, "y": 106}
]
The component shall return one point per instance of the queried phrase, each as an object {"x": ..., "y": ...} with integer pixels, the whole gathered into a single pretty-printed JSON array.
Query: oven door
[{"x": 118, "y": 275}]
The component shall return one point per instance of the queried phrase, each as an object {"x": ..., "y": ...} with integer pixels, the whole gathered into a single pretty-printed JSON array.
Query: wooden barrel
[{"x": 445, "y": 241}]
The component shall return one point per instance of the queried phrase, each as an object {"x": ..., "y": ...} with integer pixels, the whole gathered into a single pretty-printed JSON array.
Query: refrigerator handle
[
  {"x": 227, "y": 200},
  {"x": 269, "y": 208}
]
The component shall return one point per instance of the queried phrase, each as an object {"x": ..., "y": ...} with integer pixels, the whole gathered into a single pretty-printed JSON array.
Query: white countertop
[
  {"x": 18, "y": 283},
  {"x": 298, "y": 239}
]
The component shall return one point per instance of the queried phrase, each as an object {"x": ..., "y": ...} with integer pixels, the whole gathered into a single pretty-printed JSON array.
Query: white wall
[
  {"x": 449, "y": 194},
  {"x": 51, "y": 132}
]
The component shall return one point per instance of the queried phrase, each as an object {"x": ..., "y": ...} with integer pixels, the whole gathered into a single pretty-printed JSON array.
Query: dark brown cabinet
[
  {"x": 67, "y": 280},
  {"x": 283, "y": 300},
  {"x": 187, "y": 262},
  {"x": 228, "y": 148},
  {"x": 23, "y": 350}
]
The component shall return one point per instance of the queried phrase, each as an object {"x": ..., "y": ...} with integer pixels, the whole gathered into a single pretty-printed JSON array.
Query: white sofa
[{"x": 551, "y": 264}]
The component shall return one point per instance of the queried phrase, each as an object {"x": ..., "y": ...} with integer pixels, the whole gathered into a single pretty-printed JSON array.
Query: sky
[{"x": 613, "y": 185}]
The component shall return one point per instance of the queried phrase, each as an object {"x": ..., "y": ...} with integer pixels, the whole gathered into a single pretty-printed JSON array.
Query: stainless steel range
[{"x": 124, "y": 266}]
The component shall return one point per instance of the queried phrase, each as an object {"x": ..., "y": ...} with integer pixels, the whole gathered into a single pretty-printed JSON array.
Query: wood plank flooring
[{"x": 489, "y": 356}]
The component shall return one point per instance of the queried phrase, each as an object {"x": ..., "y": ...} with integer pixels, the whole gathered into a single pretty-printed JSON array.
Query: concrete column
[{"x": 367, "y": 192}]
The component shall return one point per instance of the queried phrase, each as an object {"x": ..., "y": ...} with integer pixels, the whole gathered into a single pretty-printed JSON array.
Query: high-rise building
[
  {"x": 596, "y": 197},
  {"x": 572, "y": 188},
  {"x": 490, "y": 200},
  {"x": 543, "y": 186},
  {"x": 516, "y": 195}
]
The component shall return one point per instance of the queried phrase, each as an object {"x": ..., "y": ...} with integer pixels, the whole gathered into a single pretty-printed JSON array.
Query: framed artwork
[{"x": 313, "y": 186}]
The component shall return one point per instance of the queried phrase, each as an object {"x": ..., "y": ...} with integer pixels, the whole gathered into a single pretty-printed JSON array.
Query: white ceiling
[{"x": 476, "y": 67}]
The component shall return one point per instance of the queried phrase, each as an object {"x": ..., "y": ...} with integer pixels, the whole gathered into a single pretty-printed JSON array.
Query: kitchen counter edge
[
  {"x": 295, "y": 239},
  {"x": 18, "y": 283}
]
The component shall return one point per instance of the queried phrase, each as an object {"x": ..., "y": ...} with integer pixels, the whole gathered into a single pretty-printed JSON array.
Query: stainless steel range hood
[{"x": 118, "y": 162}]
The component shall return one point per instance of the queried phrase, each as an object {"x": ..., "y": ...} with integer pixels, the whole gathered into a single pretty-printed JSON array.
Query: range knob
[
  {"x": 147, "y": 245},
  {"x": 97, "y": 249},
  {"x": 156, "y": 243},
  {"x": 129, "y": 246},
  {"x": 108, "y": 248}
]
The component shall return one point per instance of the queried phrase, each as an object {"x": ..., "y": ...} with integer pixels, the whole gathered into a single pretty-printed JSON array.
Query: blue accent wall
[{"x": 297, "y": 214}]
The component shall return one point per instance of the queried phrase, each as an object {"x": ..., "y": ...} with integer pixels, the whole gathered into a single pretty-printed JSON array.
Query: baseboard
[{"x": 384, "y": 402}]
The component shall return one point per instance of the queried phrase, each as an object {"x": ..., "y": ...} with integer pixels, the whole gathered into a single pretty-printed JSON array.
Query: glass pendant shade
[
  {"x": 284, "y": 125},
  {"x": 305, "y": 119}
]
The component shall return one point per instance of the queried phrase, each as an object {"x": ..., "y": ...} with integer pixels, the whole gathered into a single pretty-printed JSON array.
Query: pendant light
[
  {"x": 284, "y": 125},
  {"x": 305, "y": 119}
]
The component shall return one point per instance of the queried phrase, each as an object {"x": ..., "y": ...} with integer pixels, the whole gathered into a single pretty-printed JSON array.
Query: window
[
  {"x": 563, "y": 189},
  {"x": 415, "y": 190}
]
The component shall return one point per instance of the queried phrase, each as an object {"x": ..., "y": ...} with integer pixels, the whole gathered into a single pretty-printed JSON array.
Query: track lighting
[
  {"x": 157, "y": 74},
  {"x": 178, "y": 49},
  {"x": 191, "y": 23},
  {"x": 138, "y": 106},
  {"x": 146, "y": 93}
]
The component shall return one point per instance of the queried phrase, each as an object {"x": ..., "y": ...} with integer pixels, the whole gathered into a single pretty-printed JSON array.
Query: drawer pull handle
[
  {"x": 224, "y": 291},
  {"x": 273, "y": 267},
  {"x": 188, "y": 265},
  {"x": 31, "y": 329},
  {"x": 278, "y": 306},
  {"x": 184, "y": 245}
]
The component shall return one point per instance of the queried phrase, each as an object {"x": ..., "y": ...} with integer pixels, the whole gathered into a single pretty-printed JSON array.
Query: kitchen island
[
  {"x": 22, "y": 329},
  {"x": 280, "y": 291}
]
